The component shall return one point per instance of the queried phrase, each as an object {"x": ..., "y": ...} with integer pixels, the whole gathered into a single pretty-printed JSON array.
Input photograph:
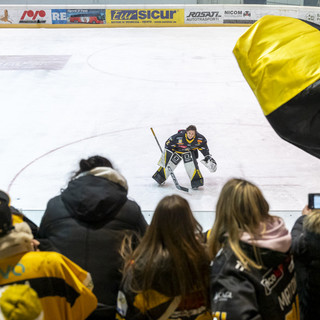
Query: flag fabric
[{"x": 280, "y": 59}]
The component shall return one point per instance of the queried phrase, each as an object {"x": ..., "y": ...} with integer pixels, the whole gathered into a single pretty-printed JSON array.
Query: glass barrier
[{"x": 205, "y": 218}]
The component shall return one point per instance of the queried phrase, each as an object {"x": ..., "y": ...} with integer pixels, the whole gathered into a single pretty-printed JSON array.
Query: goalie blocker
[{"x": 172, "y": 159}]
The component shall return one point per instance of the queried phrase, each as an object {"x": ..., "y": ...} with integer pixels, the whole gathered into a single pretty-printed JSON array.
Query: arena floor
[{"x": 68, "y": 94}]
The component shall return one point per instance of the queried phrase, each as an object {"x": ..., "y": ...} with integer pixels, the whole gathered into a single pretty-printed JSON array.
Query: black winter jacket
[
  {"x": 266, "y": 294},
  {"x": 87, "y": 223},
  {"x": 306, "y": 252}
]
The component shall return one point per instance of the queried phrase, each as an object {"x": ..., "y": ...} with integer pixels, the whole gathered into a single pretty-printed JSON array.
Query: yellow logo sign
[{"x": 145, "y": 16}]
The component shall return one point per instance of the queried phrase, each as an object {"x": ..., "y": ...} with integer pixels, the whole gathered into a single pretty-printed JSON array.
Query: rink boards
[{"x": 97, "y": 16}]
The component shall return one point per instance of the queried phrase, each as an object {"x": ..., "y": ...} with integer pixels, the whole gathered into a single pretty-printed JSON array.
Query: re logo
[
  {"x": 62, "y": 15},
  {"x": 17, "y": 270},
  {"x": 59, "y": 16}
]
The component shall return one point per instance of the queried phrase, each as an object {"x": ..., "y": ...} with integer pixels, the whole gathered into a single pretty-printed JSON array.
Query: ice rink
[{"x": 68, "y": 94}]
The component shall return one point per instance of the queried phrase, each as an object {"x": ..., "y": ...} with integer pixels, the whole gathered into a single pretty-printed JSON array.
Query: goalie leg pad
[
  {"x": 197, "y": 180},
  {"x": 165, "y": 158},
  {"x": 171, "y": 159},
  {"x": 160, "y": 176},
  {"x": 173, "y": 162},
  {"x": 192, "y": 169}
]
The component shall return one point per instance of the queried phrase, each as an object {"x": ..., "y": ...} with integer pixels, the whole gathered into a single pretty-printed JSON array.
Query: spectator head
[
  {"x": 19, "y": 302},
  {"x": 5, "y": 214},
  {"x": 241, "y": 207},
  {"x": 91, "y": 163},
  {"x": 166, "y": 221},
  {"x": 311, "y": 222},
  {"x": 171, "y": 246}
]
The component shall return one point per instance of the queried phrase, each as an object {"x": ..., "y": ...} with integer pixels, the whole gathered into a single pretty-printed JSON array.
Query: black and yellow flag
[{"x": 280, "y": 59}]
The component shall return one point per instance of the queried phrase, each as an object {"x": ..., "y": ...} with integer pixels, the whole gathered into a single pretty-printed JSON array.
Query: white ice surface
[{"x": 117, "y": 84}]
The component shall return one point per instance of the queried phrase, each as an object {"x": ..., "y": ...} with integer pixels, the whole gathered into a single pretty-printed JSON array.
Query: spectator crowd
[{"x": 95, "y": 257}]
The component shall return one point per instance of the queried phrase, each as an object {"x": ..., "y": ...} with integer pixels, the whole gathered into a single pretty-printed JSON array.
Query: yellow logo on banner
[{"x": 145, "y": 16}]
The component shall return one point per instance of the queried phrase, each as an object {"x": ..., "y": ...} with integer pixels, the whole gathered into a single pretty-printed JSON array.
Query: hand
[
  {"x": 306, "y": 211},
  {"x": 35, "y": 243}
]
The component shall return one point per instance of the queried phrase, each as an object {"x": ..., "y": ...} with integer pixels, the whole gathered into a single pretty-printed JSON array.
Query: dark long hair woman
[{"x": 169, "y": 263}]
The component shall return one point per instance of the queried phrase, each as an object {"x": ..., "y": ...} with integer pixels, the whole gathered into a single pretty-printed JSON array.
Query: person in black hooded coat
[
  {"x": 306, "y": 252},
  {"x": 87, "y": 224}
]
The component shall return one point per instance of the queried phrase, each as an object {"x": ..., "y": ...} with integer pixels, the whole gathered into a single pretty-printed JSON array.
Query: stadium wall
[{"x": 70, "y": 16}]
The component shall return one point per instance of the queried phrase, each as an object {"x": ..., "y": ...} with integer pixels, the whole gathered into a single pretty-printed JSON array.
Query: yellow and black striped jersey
[{"x": 63, "y": 287}]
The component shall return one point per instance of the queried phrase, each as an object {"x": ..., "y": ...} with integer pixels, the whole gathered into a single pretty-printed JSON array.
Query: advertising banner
[
  {"x": 239, "y": 15},
  {"x": 59, "y": 16},
  {"x": 28, "y": 16},
  {"x": 219, "y": 15},
  {"x": 87, "y": 16},
  {"x": 145, "y": 16},
  {"x": 309, "y": 15},
  {"x": 200, "y": 15},
  {"x": 36, "y": 16},
  {"x": 6, "y": 18}
]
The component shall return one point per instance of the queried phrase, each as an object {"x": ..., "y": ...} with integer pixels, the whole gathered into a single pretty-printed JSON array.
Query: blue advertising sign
[{"x": 59, "y": 16}]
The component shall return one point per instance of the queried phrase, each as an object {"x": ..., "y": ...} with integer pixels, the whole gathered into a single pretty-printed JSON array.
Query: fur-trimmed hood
[
  {"x": 96, "y": 195},
  {"x": 110, "y": 174}
]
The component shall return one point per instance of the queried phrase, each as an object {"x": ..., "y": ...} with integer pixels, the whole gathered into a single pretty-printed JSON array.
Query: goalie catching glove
[{"x": 210, "y": 163}]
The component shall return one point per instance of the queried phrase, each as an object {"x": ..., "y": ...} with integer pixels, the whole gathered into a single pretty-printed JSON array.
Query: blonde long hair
[
  {"x": 312, "y": 222},
  {"x": 241, "y": 208}
]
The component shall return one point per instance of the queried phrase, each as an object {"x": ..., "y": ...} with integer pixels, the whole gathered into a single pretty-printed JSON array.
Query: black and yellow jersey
[
  {"x": 63, "y": 287},
  {"x": 180, "y": 143},
  {"x": 157, "y": 305}
]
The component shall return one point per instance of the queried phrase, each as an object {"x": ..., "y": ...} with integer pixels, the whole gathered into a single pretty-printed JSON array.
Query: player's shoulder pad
[
  {"x": 179, "y": 134},
  {"x": 199, "y": 136}
]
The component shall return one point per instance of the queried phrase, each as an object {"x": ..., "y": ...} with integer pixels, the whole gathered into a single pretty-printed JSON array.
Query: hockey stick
[{"x": 176, "y": 183}]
